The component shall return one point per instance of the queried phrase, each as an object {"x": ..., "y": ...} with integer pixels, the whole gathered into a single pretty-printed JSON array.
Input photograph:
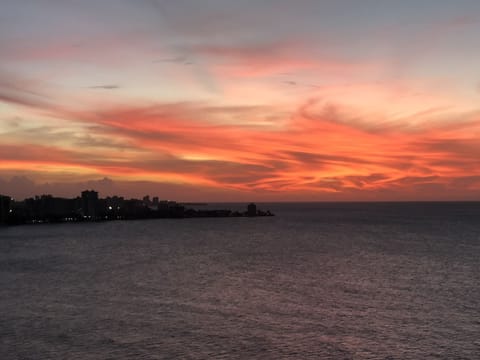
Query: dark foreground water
[{"x": 318, "y": 281}]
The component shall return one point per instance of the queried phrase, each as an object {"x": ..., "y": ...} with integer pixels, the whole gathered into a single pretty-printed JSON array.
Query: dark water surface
[{"x": 318, "y": 281}]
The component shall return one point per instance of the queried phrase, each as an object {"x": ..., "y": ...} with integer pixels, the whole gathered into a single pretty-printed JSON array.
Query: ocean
[{"x": 317, "y": 281}]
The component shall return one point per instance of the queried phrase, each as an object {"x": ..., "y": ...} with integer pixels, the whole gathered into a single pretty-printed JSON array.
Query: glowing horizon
[{"x": 227, "y": 100}]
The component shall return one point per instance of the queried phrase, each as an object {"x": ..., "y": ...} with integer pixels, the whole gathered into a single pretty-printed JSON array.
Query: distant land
[{"x": 89, "y": 207}]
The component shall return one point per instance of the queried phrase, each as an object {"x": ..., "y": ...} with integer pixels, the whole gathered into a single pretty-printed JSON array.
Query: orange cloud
[
  {"x": 314, "y": 152},
  {"x": 317, "y": 148}
]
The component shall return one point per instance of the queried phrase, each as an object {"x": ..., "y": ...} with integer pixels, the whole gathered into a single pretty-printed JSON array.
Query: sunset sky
[{"x": 240, "y": 100}]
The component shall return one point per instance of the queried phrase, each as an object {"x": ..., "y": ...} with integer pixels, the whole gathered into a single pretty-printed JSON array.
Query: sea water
[{"x": 317, "y": 281}]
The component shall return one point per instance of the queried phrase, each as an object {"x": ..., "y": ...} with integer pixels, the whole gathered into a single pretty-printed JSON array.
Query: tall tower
[
  {"x": 90, "y": 204},
  {"x": 4, "y": 208},
  {"x": 252, "y": 209}
]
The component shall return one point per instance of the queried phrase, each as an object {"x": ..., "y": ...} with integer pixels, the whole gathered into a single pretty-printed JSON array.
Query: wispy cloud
[
  {"x": 191, "y": 142},
  {"x": 105, "y": 87},
  {"x": 175, "y": 60}
]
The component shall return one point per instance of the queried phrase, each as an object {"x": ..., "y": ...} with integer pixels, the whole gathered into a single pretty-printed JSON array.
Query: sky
[{"x": 241, "y": 100}]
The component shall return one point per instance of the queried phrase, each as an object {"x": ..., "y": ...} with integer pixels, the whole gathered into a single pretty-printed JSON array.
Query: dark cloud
[
  {"x": 459, "y": 148},
  {"x": 175, "y": 60},
  {"x": 332, "y": 184},
  {"x": 367, "y": 180},
  {"x": 467, "y": 182},
  {"x": 105, "y": 87},
  {"x": 24, "y": 99},
  {"x": 415, "y": 180},
  {"x": 274, "y": 185},
  {"x": 32, "y": 153},
  {"x": 19, "y": 90}
]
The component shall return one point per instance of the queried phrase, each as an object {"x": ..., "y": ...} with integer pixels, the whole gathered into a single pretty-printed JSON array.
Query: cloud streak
[
  {"x": 187, "y": 143},
  {"x": 105, "y": 87}
]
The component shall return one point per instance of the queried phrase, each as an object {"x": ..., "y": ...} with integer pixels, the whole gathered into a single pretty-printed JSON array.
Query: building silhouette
[
  {"x": 90, "y": 204},
  {"x": 89, "y": 207},
  {"x": 252, "y": 209},
  {"x": 4, "y": 208}
]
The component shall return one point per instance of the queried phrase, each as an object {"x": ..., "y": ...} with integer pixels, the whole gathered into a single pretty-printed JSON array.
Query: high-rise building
[
  {"x": 90, "y": 204},
  {"x": 146, "y": 200},
  {"x": 252, "y": 209},
  {"x": 4, "y": 208}
]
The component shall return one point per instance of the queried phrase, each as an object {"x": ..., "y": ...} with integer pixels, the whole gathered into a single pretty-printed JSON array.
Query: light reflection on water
[{"x": 332, "y": 281}]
